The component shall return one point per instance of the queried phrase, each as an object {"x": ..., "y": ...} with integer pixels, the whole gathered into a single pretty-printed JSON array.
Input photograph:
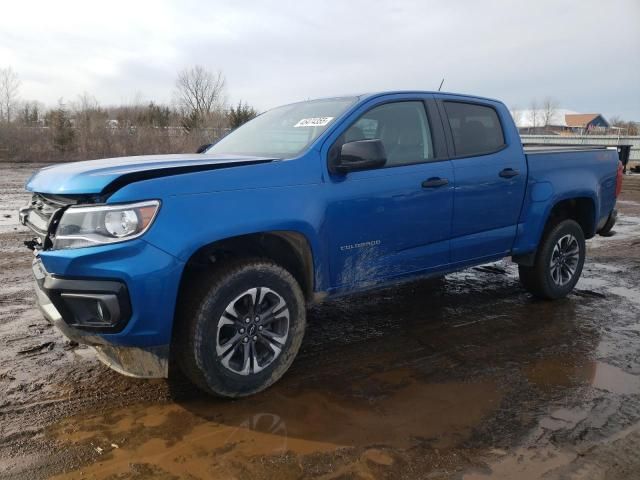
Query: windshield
[{"x": 283, "y": 132}]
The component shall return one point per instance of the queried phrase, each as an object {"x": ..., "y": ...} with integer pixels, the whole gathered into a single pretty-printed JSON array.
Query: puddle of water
[
  {"x": 615, "y": 380},
  {"x": 628, "y": 293},
  {"x": 550, "y": 373},
  {"x": 525, "y": 465},
  {"x": 536, "y": 462},
  {"x": 601, "y": 277},
  {"x": 612, "y": 457},
  {"x": 212, "y": 438}
]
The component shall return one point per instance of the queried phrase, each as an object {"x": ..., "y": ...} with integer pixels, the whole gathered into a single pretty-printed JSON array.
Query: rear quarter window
[{"x": 476, "y": 129}]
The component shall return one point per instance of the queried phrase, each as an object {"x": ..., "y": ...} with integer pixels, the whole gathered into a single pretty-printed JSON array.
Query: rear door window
[{"x": 475, "y": 128}]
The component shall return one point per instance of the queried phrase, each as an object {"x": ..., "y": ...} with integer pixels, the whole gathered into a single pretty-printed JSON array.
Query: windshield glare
[{"x": 283, "y": 132}]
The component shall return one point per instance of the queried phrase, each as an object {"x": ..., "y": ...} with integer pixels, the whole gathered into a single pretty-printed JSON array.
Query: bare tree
[
  {"x": 128, "y": 111},
  {"x": 30, "y": 114},
  {"x": 549, "y": 107},
  {"x": 89, "y": 122},
  {"x": 516, "y": 114},
  {"x": 534, "y": 114},
  {"x": 84, "y": 110},
  {"x": 200, "y": 94},
  {"x": 624, "y": 127},
  {"x": 9, "y": 86}
]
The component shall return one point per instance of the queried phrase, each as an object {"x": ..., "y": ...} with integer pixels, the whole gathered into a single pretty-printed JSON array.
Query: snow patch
[{"x": 627, "y": 227}]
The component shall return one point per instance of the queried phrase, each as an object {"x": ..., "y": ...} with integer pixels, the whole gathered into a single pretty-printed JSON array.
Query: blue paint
[{"x": 363, "y": 229}]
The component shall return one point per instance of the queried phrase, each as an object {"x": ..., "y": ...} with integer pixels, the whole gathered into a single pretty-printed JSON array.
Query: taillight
[{"x": 619, "y": 179}]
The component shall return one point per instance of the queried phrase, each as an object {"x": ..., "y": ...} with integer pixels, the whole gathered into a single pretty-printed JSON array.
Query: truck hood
[{"x": 109, "y": 174}]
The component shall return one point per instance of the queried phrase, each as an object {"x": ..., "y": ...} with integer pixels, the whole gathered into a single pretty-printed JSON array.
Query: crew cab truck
[{"x": 209, "y": 259}]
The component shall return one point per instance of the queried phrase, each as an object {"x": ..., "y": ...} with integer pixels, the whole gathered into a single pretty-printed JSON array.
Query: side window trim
[
  {"x": 438, "y": 132},
  {"x": 430, "y": 113},
  {"x": 449, "y": 135}
]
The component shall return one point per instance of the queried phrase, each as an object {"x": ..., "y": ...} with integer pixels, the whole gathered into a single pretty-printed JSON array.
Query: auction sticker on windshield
[{"x": 313, "y": 122}]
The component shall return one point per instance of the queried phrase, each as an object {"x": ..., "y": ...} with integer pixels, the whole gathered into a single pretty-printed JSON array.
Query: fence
[{"x": 612, "y": 140}]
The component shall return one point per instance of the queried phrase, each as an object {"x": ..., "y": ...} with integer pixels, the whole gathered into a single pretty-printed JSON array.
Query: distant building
[
  {"x": 586, "y": 122},
  {"x": 561, "y": 122}
]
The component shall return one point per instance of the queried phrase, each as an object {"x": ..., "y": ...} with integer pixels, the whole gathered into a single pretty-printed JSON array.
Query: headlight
[{"x": 91, "y": 226}]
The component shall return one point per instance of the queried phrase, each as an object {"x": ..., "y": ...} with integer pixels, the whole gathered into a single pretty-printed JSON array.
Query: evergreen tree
[
  {"x": 62, "y": 128},
  {"x": 240, "y": 114}
]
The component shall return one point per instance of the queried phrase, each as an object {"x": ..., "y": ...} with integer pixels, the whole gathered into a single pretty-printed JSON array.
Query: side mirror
[
  {"x": 360, "y": 155},
  {"x": 203, "y": 148}
]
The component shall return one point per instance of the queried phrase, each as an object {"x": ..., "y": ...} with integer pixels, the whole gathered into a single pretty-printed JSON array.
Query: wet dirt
[{"x": 461, "y": 377}]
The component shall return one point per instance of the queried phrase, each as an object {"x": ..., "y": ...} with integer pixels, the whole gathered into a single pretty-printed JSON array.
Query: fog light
[
  {"x": 91, "y": 309},
  {"x": 101, "y": 315}
]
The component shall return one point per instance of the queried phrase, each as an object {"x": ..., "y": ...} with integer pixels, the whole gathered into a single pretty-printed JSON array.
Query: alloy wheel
[
  {"x": 252, "y": 331},
  {"x": 564, "y": 260}
]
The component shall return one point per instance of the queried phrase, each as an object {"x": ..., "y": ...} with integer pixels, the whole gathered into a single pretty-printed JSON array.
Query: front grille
[{"x": 42, "y": 215}]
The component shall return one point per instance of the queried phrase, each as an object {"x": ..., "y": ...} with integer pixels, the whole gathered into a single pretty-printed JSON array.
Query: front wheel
[
  {"x": 242, "y": 333},
  {"x": 558, "y": 263}
]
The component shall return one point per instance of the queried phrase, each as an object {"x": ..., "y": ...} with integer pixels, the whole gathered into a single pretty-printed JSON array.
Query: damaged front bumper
[{"x": 90, "y": 312}]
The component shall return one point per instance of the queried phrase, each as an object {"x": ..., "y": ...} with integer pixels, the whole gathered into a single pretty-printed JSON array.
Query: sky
[{"x": 585, "y": 54}]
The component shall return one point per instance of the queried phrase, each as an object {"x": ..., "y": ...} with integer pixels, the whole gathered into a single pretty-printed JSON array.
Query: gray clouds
[{"x": 583, "y": 53}]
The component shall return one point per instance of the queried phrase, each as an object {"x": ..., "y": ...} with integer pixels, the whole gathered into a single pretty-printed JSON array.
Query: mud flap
[
  {"x": 135, "y": 362},
  {"x": 605, "y": 231},
  {"x": 526, "y": 259}
]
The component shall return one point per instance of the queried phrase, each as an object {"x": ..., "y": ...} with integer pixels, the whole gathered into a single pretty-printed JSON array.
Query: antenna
[{"x": 441, "y": 84}]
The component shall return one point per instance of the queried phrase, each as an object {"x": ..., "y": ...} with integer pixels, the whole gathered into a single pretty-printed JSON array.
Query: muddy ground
[{"x": 463, "y": 377}]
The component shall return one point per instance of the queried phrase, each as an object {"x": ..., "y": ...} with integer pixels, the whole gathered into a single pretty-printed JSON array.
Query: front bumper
[
  {"x": 87, "y": 305},
  {"x": 136, "y": 287}
]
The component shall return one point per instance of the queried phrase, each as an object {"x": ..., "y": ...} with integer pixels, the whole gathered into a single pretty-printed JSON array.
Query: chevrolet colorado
[{"x": 209, "y": 259}]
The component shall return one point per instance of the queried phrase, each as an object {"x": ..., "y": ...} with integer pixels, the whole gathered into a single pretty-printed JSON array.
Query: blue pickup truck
[{"x": 207, "y": 261}]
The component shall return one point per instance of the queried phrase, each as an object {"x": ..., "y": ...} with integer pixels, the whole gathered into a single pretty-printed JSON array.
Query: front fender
[
  {"x": 187, "y": 223},
  {"x": 204, "y": 207}
]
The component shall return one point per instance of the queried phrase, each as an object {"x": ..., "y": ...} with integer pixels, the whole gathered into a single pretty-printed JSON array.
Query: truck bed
[{"x": 560, "y": 172}]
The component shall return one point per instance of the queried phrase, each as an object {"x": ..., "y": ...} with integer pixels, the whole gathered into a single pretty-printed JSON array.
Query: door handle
[
  {"x": 434, "y": 182},
  {"x": 509, "y": 173}
]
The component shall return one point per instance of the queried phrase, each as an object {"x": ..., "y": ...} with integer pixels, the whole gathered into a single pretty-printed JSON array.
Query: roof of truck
[
  {"x": 368, "y": 95},
  {"x": 430, "y": 92}
]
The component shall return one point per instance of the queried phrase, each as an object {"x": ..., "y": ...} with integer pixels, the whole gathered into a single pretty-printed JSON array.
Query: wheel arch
[
  {"x": 581, "y": 208},
  {"x": 289, "y": 249}
]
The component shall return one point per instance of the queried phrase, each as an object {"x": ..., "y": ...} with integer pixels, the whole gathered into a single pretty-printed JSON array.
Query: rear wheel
[
  {"x": 241, "y": 334},
  {"x": 558, "y": 263}
]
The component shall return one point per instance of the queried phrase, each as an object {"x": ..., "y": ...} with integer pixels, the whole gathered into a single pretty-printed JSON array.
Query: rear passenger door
[{"x": 490, "y": 180}]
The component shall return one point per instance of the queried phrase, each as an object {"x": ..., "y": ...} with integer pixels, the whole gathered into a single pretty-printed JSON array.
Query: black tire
[
  {"x": 199, "y": 331},
  {"x": 540, "y": 279},
  {"x": 605, "y": 231}
]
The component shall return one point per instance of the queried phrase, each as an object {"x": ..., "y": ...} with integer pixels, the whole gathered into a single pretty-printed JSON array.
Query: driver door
[{"x": 394, "y": 220}]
